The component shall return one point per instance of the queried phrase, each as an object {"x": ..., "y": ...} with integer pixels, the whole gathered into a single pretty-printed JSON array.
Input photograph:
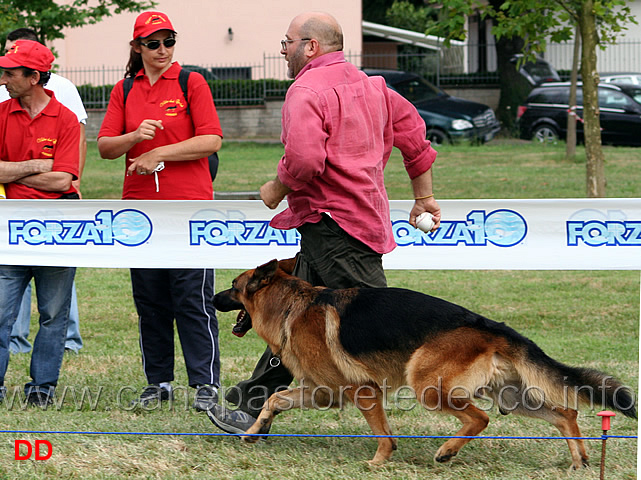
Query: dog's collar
[{"x": 275, "y": 360}]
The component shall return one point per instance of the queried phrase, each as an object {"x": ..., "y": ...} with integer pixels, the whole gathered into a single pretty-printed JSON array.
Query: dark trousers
[
  {"x": 328, "y": 257},
  {"x": 186, "y": 296}
]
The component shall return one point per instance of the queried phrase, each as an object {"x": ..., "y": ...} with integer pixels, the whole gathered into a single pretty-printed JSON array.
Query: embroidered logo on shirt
[
  {"x": 49, "y": 144},
  {"x": 172, "y": 107}
]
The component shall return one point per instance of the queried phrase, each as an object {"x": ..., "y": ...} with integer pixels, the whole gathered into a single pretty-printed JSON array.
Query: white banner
[{"x": 559, "y": 234}]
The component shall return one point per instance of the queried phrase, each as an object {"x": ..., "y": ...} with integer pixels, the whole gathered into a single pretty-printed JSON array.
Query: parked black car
[
  {"x": 536, "y": 71},
  {"x": 543, "y": 116},
  {"x": 448, "y": 119},
  {"x": 633, "y": 91}
]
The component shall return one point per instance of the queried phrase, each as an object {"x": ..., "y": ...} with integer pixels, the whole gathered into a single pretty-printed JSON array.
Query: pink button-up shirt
[{"x": 338, "y": 129}]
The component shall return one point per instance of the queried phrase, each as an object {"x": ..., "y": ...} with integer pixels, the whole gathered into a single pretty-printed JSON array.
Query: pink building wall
[{"x": 202, "y": 26}]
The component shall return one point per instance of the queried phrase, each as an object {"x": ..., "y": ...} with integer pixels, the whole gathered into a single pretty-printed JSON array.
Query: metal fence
[
  {"x": 250, "y": 84},
  {"x": 624, "y": 56},
  {"x": 230, "y": 84}
]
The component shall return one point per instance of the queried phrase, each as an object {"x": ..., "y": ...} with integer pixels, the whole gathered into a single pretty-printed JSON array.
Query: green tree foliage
[
  {"x": 376, "y": 10},
  {"x": 49, "y": 18},
  {"x": 405, "y": 14},
  {"x": 599, "y": 23}
]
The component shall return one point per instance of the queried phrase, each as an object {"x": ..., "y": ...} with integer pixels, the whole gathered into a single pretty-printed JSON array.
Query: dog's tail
[{"x": 543, "y": 379}]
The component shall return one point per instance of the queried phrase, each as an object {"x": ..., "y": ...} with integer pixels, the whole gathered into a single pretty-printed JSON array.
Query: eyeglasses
[
  {"x": 155, "y": 44},
  {"x": 283, "y": 43}
]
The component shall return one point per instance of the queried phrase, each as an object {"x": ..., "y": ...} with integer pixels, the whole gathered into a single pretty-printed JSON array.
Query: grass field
[{"x": 586, "y": 318}]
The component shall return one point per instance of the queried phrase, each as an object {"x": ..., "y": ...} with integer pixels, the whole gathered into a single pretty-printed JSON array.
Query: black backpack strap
[
  {"x": 127, "y": 83},
  {"x": 183, "y": 80},
  {"x": 126, "y": 88},
  {"x": 213, "y": 165}
]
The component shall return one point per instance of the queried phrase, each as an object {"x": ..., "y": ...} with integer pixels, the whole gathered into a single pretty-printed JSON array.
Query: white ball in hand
[{"x": 425, "y": 222}]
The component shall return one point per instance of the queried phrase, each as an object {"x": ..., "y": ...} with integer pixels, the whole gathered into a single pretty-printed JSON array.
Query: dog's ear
[
  {"x": 262, "y": 276},
  {"x": 287, "y": 265}
]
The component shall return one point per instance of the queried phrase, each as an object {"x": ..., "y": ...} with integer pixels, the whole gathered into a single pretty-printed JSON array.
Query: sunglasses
[{"x": 155, "y": 44}]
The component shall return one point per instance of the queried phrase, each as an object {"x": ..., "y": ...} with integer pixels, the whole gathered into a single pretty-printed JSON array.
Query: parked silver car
[{"x": 621, "y": 78}]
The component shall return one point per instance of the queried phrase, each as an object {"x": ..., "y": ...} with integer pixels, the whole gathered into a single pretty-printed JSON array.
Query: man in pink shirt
[{"x": 338, "y": 129}]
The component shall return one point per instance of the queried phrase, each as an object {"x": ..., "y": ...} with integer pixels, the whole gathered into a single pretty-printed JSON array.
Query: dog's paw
[
  {"x": 584, "y": 464},
  {"x": 373, "y": 463},
  {"x": 444, "y": 455},
  {"x": 250, "y": 438}
]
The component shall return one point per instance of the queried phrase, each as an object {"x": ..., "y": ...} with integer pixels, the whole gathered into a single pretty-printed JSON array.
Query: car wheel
[
  {"x": 437, "y": 137},
  {"x": 545, "y": 134}
]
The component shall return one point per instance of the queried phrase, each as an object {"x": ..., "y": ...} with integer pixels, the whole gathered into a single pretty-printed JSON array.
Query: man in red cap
[{"x": 38, "y": 159}]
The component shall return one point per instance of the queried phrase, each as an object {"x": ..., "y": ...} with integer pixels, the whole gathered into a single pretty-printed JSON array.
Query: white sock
[
  {"x": 215, "y": 389},
  {"x": 166, "y": 386}
]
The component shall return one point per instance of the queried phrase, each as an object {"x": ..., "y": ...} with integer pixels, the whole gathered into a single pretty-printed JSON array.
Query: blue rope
[{"x": 498, "y": 437}]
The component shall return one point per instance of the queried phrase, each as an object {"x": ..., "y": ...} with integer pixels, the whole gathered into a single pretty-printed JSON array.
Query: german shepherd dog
[{"x": 350, "y": 342}]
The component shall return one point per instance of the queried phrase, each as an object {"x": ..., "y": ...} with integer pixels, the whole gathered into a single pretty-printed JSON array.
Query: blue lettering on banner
[
  {"x": 127, "y": 227},
  {"x": 596, "y": 233},
  {"x": 503, "y": 228},
  {"x": 237, "y": 232}
]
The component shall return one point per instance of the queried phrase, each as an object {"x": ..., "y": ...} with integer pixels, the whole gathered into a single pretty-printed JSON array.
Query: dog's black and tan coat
[{"x": 353, "y": 341}]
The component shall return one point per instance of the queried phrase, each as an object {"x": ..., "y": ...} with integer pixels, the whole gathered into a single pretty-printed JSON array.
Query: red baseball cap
[
  {"x": 29, "y": 54},
  {"x": 150, "y": 22}
]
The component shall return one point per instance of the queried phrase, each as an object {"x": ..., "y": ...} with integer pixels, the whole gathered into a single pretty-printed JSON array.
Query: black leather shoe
[
  {"x": 206, "y": 398},
  {"x": 39, "y": 399},
  {"x": 153, "y": 394}
]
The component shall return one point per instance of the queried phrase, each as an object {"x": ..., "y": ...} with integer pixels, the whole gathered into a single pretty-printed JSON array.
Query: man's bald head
[{"x": 321, "y": 26}]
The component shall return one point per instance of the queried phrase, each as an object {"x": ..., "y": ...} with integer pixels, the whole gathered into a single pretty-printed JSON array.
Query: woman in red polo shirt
[{"x": 166, "y": 142}]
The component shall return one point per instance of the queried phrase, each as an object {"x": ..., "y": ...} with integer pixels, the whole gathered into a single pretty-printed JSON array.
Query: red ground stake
[{"x": 605, "y": 415}]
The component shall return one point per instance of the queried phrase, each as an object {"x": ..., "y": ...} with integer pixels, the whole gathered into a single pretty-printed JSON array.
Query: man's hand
[
  {"x": 14, "y": 171},
  {"x": 426, "y": 205},
  {"x": 273, "y": 192},
  {"x": 76, "y": 184},
  {"x": 44, "y": 165}
]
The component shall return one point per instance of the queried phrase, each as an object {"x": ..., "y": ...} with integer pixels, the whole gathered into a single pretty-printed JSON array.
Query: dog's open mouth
[{"x": 243, "y": 324}]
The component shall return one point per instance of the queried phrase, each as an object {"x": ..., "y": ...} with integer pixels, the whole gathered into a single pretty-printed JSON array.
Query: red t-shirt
[
  {"x": 180, "y": 180},
  {"x": 53, "y": 133}
]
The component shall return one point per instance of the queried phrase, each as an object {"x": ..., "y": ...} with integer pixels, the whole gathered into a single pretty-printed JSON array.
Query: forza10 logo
[
  {"x": 126, "y": 227},
  {"x": 503, "y": 228}
]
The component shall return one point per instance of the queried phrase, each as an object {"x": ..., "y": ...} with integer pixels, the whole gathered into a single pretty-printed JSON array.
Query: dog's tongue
[{"x": 243, "y": 324}]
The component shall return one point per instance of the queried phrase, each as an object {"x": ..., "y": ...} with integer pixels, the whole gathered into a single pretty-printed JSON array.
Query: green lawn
[{"x": 585, "y": 318}]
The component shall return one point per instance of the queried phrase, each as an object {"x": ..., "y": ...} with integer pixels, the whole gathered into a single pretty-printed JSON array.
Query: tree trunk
[
  {"x": 570, "y": 144},
  {"x": 595, "y": 171},
  {"x": 514, "y": 88}
]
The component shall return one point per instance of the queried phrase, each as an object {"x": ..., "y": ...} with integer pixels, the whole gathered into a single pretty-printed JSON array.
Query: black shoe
[
  {"x": 233, "y": 396},
  {"x": 36, "y": 398},
  {"x": 153, "y": 393},
  {"x": 3, "y": 393},
  {"x": 230, "y": 421},
  {"x": 206, "y": 398}
]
